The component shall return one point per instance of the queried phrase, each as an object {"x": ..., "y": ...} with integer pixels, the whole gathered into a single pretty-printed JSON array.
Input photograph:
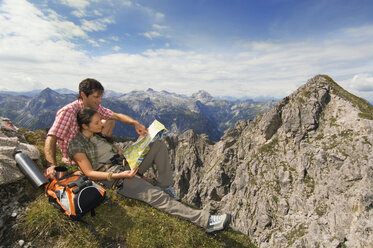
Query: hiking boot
[
  {"x": 170, "y": 190},
  {"x": 218, "y": 222}
]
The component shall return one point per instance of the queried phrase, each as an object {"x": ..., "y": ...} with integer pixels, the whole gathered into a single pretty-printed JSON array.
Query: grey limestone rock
[
  {"x": 11, "y": 141},
  {"x": 299, "y": 175}
]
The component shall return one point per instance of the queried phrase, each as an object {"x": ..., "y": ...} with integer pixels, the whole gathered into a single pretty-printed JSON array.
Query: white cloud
[
  {"x": 35, "y": 48},
  {"x": 362, "y": 82},
  {"x": 22, "y": 19},
  {"x": 80, "y": 8},
  {"x": 79, "y": 13},
  {"x": 38, "y": 50},
  {"x": 159, "y": 27},
  {"x": 78, "y": 4},
  {"x": 115, "y": 38},
  {"x": 93, "y": 43},
  {"x": 97, "y": 13},
  {"x": 96, "y": 25},
  {"x": 159, "y": 16},
  {"x": 361, "y": 85},
  {"x": 126, "y": 3},
  {"x": 152, "y": 34},
  {"x": 156, "y": 33}
]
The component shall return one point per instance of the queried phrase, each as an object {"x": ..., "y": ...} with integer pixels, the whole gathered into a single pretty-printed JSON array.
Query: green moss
[
  {"x": 310, "y": 185},
  {"x": 284, "y": 165},
  {"x": 333, "y": 122},
  {"x": 366, "y": 141},
  {"x": 366, "y": 115},
  {"x": 346, "y": 133},
  {"x": 345, "y": 154},
  {"x": 269, "y": 148},
  {"x": 218, "y": 161},
  {"x": 321, "y": 209},
  {"x": 296, "y": 233},
  {"x": 306, "y": 93},
  {"x": 252, "y": 179},
  {"x": 366, "y": 110},
  {"x": 333, "y": 141},
  {"x": 301, "y": 100}
]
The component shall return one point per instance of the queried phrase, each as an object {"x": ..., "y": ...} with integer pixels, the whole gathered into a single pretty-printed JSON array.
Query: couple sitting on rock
[{"x": 80, "y": 129}]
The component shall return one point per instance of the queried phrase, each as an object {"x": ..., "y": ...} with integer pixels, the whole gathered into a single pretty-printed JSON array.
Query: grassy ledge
[{"x": 118, "y": 221}]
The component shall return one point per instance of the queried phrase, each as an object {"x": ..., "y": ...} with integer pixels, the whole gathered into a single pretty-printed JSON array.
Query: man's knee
[{"x": 158, "y": 145}]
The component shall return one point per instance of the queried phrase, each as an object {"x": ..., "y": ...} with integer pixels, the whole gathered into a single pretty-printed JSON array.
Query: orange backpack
[{"x": 75, "y": 195}]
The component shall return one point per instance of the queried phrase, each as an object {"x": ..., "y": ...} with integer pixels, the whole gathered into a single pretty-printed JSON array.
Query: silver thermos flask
[{"x": 29, "y": 169}]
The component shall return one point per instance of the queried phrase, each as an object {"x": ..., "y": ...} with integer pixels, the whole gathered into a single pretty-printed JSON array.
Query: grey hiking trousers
[{"x": 138, "y": 188}]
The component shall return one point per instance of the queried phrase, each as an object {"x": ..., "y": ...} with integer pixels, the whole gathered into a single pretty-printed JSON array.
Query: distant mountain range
[
  {"x": 64, "y": 91},
  {"x": 200, "y": 112}
]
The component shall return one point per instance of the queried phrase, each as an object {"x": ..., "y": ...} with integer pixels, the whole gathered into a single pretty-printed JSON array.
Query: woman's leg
[
  {"x": 158, "y": 155},
  {"x": 139, "y": 189}
]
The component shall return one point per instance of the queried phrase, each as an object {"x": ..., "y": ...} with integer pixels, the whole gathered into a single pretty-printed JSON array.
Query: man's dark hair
[{"x": 89, "y": 85}]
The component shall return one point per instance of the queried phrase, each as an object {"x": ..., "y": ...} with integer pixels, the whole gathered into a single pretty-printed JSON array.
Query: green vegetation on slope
[
  {"x": 118, "y": 221},
  {"x": 366, "y": 110}
]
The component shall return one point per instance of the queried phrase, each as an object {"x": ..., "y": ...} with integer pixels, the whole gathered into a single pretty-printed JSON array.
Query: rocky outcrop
[
  {"x": 10, "y": 142},
  {"x": 15, "y": 190},
  {"x": 300, "y": 175}
]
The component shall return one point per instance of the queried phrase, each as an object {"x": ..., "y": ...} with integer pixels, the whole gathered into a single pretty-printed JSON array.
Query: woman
[{"x": 92, "y": 162}]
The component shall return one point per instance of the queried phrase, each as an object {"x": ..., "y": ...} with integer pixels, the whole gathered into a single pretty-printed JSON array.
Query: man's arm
[
  {"x": 140, "y": 129},
  {"x": 50, "y": 150},
  {"x": 50, "y": 156}
]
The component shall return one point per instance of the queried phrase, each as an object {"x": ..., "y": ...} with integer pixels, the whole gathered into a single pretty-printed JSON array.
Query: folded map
[{"x": 136, "y": 152}]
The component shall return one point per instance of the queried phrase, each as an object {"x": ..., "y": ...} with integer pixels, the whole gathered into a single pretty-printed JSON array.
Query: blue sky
[{"x": 229, "y": 48}]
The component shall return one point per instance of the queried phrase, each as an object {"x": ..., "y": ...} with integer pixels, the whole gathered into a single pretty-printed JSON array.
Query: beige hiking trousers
[{"x": 138, "y": 188}]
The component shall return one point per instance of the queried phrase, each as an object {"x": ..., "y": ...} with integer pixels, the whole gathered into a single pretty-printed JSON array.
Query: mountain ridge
[
  {"x": 299, "y": 175},
  {"x": 178, "y": 113}
]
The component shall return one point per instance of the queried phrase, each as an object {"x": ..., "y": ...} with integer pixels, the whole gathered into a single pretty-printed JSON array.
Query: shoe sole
[{"x": 225, "y": 225}]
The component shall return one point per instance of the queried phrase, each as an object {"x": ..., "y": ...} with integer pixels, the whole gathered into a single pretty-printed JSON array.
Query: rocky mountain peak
[
  {"x": 48, "y": 92},
  {"x": 300, "y": 175},
  {"x": 202, "y": 96}
]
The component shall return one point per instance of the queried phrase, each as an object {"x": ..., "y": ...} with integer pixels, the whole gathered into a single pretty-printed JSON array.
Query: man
[{"x": 65, "y": 128}]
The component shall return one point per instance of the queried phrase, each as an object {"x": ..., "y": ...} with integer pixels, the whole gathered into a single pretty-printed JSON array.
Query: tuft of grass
[
  {"x": 310, "y": 185},
  {"x": 269, "y": 148},
  {"x": 321, "y": 209},
  {"x": 45, "y": 226},
  {"x": 296, "y": 233}
]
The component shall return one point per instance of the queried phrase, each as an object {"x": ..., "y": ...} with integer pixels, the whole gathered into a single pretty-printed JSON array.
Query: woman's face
[{"x": 95, "y": 125}]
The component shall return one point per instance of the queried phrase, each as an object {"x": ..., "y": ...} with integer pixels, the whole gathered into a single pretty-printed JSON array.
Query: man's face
[{"x": 93, "y": 100}]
